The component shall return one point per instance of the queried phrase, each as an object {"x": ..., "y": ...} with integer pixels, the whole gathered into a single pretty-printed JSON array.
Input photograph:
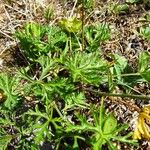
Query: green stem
[
  {"x": 83, "y": 24},
  {"x": 123, "y": 84},
  {"x": 128, "y": 74},
  {"x": 70, "y": 42},
  {"x": 58, "y": 111},
  {"x": 143, "y": 97}
]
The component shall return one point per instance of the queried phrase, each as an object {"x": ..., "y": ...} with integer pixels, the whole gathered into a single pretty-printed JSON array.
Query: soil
[{"x": 124, "y": 41}]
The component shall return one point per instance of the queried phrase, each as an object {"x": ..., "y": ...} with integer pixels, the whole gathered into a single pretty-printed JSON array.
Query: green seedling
[
  {"x": 119, "y": 8},
  {"x": 87, "y": 4},
  {"x": 147, "y": 17},
  {"x": 144, "y": 62},
  {"x": 37, "y": 40},
  {"x": 96, "y": 35},
  {"x": 49, "y": 12},
  {"x": 145, "y": 32},
  {"x": 30, "y": 40}
]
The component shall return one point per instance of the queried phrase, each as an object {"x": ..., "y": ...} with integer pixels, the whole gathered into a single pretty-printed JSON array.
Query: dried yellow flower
[{"x": 142, "y": 128}]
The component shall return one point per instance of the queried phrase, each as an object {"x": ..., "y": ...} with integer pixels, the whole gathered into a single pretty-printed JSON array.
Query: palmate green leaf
[
  {"x": 83, "y": 127},
  {"x": 34, "y": 30},
  {"x": 46, "y": 90},
  {"x": 86, "y": 67},
  {"x": 145, "y": 32},
  {"x": 96, "y": 34},
  {"x": 56, "y": 38},
  {"x": 30, "y": 38},
  {"x": 60, "y": 86},
  {"x": 75, "y": 100},
  {"x": 146, "y": 75},
  {"x": 103, "y": 129},
  {"x": 37, "y": 113},
  {"x": 41, "y": 132},
  {"x": 126, "y": 139},
  {"x": 6, "y": 121},
  {"x": 120, "y": 63},
  {"x": 8, "y": 86},
  {"x": 36, "y": 40},
  {"x": 110, "y": 124},
  {"x": 48, "y": 64},
  {"x": 41, "y": 127},
  {"x": 144, "y": 62}
]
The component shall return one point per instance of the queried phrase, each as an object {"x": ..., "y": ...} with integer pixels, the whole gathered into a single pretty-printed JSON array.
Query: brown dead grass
[{"x": 13, "y": 15}]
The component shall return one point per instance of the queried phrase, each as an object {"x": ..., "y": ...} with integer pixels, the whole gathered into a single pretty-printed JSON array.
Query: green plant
[
  {"x": 96, "y": 35},
  {"x": 30, "y": 40},
  {"x": 117, "y": 8},
  {"x": 49, "y": 12},
  {"x": 144, "y": 65},
  {"x": 54, "y": 99},
  {"x": 147, "y": 3},
  {"x": 88, "y": 68},
  {"x": 145, "y": 32},
  {"x": 147, "y": 16},
  {"x": 37, "y": 40},
  {"x": 9, "y": 94},
  {"x": 44, "y": 125},
  {"x": 72, "y": 24},
  {"x": 87, "y": 4},
  {"x": 101, "y": 129}
]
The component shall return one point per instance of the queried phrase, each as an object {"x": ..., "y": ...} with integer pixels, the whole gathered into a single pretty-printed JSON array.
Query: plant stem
[
  {"x": 82, "y": 25},
  {"x": 143, "y": 97},
  {"x": 128, "y": 74},
  {"x": 58, "y": 111}
]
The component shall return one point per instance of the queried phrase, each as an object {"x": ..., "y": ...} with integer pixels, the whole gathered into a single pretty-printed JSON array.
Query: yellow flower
[{"x": 142, "y": 128}]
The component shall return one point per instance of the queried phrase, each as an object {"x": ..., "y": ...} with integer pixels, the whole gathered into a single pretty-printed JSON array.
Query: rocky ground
[{"x": 124, "y": 40}]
